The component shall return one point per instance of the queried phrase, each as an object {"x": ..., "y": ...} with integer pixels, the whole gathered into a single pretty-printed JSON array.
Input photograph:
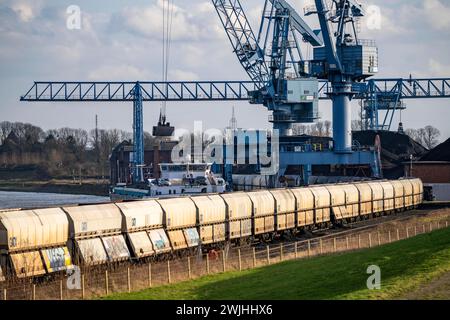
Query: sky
[{"x": 122, "y": 40}]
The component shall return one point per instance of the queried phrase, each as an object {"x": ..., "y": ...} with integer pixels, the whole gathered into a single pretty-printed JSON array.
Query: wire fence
[{"x": 95, "y": 283}]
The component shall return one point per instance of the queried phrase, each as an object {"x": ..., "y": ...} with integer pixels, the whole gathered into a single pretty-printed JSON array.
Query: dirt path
[{"x": 436, "y": 289}]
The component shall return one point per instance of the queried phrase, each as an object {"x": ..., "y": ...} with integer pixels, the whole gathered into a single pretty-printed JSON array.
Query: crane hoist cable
[{"x": 168, "y": 12}]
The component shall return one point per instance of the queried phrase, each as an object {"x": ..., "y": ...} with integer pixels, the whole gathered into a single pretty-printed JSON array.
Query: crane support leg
[
  {"x": 342, "y": 118},
  {"x": 138, "y": 135}
]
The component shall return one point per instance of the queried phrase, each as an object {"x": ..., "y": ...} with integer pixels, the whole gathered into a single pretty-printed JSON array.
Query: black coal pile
[
  {"x": 440, "y": 153},
  {"x": 396, "y": 148}
]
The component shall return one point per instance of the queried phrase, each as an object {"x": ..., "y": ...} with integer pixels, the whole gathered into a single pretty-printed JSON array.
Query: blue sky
[{"x": 121, "y": 40}]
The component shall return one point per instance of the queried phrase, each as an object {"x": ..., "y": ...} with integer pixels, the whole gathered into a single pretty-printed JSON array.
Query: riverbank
[{"x": 88, "y": 187}]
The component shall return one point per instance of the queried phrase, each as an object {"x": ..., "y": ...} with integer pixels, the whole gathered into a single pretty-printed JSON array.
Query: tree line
[
  {"x": 61, "y": 152},
  {"x": 318, "y": 129},
  {"x": 427, "y": 136},
  {"x": 72, "y": 152}
]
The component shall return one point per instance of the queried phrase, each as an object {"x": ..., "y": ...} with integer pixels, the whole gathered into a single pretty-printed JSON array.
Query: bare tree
[
  {"x": 328, "y": 130},
  {"x": 301, "y": 129},
  {"x": 421, "y": 136},
  {"x": 32, "y": 134},
  {"x": 5, "y": 130},
  {"x": 415, "y": 134},
  {"x": 356, "y": 125},
  {"x": 25, "y": 132},
  {"x": 430, "y": 137},
  {"x": 320, "y": 128}
]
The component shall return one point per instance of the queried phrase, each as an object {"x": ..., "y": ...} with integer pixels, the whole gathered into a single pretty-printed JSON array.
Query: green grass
[{"x": 405, "y": 266}]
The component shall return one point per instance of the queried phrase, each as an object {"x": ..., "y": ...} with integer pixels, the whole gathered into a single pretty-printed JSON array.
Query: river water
[{"x": 24, "y": 200}]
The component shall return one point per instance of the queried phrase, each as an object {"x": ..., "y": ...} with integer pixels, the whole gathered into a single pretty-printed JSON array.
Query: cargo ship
[{"x": 177, "y": 179}]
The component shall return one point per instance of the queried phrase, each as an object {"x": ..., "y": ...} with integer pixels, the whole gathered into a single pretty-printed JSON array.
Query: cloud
[
  {"x": 437, "y": 69},
  {"x": 437, "y": 14},
  {"x": 394, "y": 22},
  {"x": 24, "y": 11},
  {"x": 148, "y": 22},
  {"x": 182, "y": 75},
  {"x": 117, "y": 73}
]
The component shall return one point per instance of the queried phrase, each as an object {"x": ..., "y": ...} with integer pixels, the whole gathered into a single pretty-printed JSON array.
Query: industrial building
[
  {"x": 121, "y": 161},
  {"x": 434, "y": 170}
]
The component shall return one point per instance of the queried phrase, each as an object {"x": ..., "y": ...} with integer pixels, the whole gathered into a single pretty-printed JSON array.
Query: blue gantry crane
[{"x": 280, "y": 79}]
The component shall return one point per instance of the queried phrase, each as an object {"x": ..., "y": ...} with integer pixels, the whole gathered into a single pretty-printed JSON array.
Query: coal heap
[
  {"x": 440, "y": 153},
  {"x": 396, "y": 148}
]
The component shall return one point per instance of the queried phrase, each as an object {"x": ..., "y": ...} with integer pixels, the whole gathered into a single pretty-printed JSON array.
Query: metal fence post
[
  {"x": 223, "y": 261},
  {"x": 254, "y": 257},
  {"x": 390, "y": 238},
  {"x": 398, "y": 235},
  {"x": 82, "y": 287},
  {"x": 407, "y": 233},
  {"x": 240, "y": 261},
  {"x": 189, "y": 267},
  {"x": 268, "y": 254},
  {"x": 106, "y": 282},
  {"x": 321, "y": 247},
  {"x": 309, "y": 248},
  {"x": 370, "y": 240},
  {"x": 296, "y": 249},
  {"x": 168, "y": 272},
  {"x": 379, "y": 238},
  {"x": 61, "y": 297},
  {"x": 4, "y": 294},
  {"x": 128, "y": 279},
  {"x": 359, "y": 241},
  {"x": 33, "y": 293},
  {"x": 149, "y": 274},
  {"x": 346, "y": 243},
  {"x": 281, "y": 252}
]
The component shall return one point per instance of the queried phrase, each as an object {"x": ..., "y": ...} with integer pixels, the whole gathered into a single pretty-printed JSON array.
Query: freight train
[{"x": 46, "y": 241}]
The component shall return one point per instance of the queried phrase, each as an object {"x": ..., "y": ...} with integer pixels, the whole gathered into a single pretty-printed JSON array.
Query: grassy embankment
[{"x": 407, "y": 266}]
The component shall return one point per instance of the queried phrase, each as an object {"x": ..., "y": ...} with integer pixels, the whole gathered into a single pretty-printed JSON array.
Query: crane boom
[
  {"x": 299, "y": 24},
  {"x": 327, "y": 33},
  {"x": 408, "y": 88},
  {"x": 243, "y": 41}
]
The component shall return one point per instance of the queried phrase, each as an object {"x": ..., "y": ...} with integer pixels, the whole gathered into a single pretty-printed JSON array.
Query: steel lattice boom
[
  {"x": 410, "y": 88},
  {"x": 219, "y": 90},
  {"x": 151, "y": 91}
]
